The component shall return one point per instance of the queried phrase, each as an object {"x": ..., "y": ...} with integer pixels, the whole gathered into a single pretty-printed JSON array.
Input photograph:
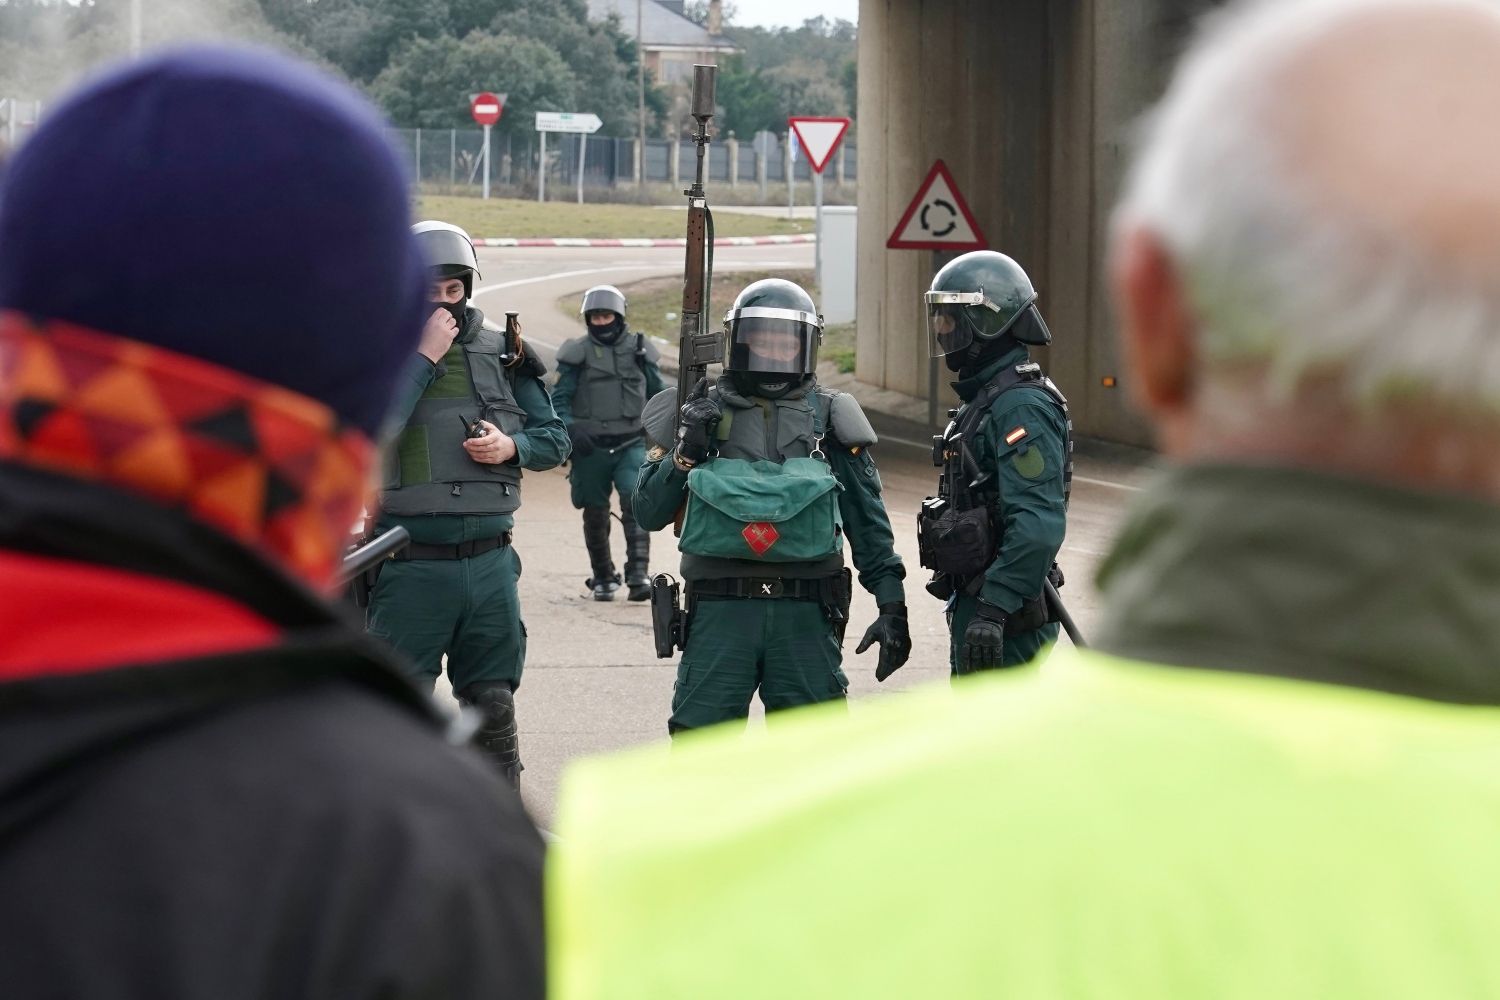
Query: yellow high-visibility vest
[{"x": 1097, "y": 828}]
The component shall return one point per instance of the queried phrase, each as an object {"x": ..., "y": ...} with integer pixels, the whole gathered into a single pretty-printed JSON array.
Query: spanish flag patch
[{"x": 1015, "y": 435}]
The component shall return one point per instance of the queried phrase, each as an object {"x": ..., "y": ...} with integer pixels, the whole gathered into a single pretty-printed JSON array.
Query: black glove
[
  {"x": 583, "y": 445},
  {"x": 696, "y": 431},
  {"x": 895, "y": 639},
  {"x": 984, "y": 640}
]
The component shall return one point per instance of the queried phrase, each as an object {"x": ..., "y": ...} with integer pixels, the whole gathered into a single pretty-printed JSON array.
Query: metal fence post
[
  {"x": 791, "y": 175},
  {"x": 418, "y": 170},
  {"x": 452, "y": 159},
  {"x": 733, "y": 146}
]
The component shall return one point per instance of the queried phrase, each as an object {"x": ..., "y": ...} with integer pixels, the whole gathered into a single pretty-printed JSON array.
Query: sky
[{"x": 791, "y": 13}]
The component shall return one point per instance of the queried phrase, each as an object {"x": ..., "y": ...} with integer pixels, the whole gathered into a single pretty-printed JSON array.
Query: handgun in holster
[{"x": 669, "y": 623}]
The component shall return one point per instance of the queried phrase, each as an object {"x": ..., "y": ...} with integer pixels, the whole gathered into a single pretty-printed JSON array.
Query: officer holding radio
[
  {"x": 992, "y": 533},
  {"x": 769, "y": 472}
]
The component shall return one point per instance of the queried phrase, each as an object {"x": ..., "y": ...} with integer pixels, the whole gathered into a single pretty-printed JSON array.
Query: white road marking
[
  {"x": 1106, "y": 482},
  {"x": 562, "y": 274}
]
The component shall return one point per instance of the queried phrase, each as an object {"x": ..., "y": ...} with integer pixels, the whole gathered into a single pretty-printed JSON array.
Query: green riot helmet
[
  {"x": 978, "y": 297},
  {"x": 772, "y": 333},
  {"x": 449, "y": 252}
]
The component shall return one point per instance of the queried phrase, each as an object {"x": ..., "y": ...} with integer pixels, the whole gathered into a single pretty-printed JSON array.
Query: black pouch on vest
[
  {"x": 1028, "y": 617},
  {"x": 958, "y": 543}
]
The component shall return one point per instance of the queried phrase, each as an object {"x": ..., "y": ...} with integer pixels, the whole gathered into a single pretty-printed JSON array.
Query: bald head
[{"x": 1311, "y": 233}]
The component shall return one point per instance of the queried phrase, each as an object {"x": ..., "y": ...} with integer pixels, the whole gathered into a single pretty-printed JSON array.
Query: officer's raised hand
[
  {"x": 891, "y": 632},
  {"x": 699, "y": 417},
  {"x": 984, "y": 640},
  {"x": 492, "y": 447},
  {"x": 437, "y": 335}
]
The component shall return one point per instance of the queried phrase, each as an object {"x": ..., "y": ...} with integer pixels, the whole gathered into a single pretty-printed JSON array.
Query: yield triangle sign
[
  {"x": 819, "y": 138},
  {"x": 938, "y": 218}
]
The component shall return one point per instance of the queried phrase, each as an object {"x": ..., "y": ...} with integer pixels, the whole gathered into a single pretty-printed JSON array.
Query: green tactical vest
[
  {"x": 611, "y": 389},
  {"x": 428, "y": 471},
  {"x": 769, "y": 496},
  {"x": 1096, "y": 829}
]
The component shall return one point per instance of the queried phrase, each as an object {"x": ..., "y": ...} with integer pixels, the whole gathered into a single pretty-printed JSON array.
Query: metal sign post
[
  {"x": 818, "y": 230},
  {"x": 819, "y": 137},
  {"x": 583, "y": 152},
  {"x": 486, "y": 192},
  {"x": 791, "y": 174},
  {"x": 541, "y": 170},
  {"x": 486, "y": 109}
]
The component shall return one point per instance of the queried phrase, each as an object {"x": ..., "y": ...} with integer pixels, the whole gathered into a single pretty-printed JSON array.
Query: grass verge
[{"x": 521, "y": 219}]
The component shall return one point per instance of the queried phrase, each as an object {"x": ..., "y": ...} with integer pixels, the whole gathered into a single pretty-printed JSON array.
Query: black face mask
[
  {"x": 607, "y": 335},
  {"x": 765, "y": 385},
  {"x": 457, "y": 310},
  {"x": 980, "y": 353}
]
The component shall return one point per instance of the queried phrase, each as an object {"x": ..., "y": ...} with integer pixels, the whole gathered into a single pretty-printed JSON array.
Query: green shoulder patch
[{"x": 1029, "y": 462}]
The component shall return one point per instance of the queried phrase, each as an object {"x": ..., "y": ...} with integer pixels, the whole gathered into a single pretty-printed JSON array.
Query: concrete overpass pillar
[{"x": 1029, "y": 102}]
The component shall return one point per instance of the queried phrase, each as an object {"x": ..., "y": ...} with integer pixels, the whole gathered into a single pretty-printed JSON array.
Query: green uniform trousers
[
  {"x": 784, "y": 647},
  {"x": 592, "y": 475},
  {"x": 466, "y": 608},
  {"x": 1019, "y": 649}
]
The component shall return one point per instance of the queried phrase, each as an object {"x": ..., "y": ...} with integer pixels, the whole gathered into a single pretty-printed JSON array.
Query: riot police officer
[
  {"x": 771, "y": 472},
  {"x": 475, "y": 413},
  {"x": 993, "y": 532},
  {"x": 604, "y": 379}
]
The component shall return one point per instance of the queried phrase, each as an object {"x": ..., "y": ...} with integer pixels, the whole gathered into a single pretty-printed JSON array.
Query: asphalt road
[
  {"x": 530, "y": 280},
  {"x": 592, "y": 681}
]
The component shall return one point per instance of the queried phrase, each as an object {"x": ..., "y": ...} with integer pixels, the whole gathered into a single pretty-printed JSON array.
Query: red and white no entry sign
[{"x": 486, "y": 107}]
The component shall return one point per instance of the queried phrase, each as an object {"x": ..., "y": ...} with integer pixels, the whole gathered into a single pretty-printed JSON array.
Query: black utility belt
[
  {"x": 615, "y": 440},
  {"x": 459, "y": 550},
  {"x": 762, "y": 587}
]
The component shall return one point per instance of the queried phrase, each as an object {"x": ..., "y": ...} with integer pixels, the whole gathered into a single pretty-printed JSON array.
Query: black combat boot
[
  {"x": 497, "y": 737},
  {"x": 605, "y": 580},
  {"x": 637, "y": 554}
]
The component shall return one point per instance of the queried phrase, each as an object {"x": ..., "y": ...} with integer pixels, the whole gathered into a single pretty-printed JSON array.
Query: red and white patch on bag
[{"x": 760, "y": 536}]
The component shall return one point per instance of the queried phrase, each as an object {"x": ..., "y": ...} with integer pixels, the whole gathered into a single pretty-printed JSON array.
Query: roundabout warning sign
[{"x": 938, "y": 218}]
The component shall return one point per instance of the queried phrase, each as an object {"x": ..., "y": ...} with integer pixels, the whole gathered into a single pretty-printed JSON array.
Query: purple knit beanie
[{"x": 226, "y": 203}]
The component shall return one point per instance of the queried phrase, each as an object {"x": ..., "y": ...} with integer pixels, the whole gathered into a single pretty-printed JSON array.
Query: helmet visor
[
  {"x": 603, "y": 297},
  {"x": 772, "y": 341},
  {"x": 949, "y": 328}
]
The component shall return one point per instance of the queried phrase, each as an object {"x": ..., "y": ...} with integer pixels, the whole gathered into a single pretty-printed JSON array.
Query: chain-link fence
[{"x": 452, "y": 161}]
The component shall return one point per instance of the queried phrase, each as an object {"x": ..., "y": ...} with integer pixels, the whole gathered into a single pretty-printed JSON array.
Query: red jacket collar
[{"x": 62, "y": 617}]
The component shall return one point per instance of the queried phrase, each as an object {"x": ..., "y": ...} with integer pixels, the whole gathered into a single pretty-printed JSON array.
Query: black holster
[
  {"x": 836, "y": 594},
  {"x": 669, "y": 623},
  {"x": 362, "y": 585}
]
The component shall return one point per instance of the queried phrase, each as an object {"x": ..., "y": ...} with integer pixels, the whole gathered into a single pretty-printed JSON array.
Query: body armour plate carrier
[
  {"x": 760, "y": 442},
  {"x": 611, "y": 391},
  {"x": 957, "y": 531},
  {"x": 429, "y": 472}
]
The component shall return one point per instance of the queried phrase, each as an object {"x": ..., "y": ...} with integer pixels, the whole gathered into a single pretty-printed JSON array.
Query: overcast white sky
[{"x": 790, "y": 13}]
